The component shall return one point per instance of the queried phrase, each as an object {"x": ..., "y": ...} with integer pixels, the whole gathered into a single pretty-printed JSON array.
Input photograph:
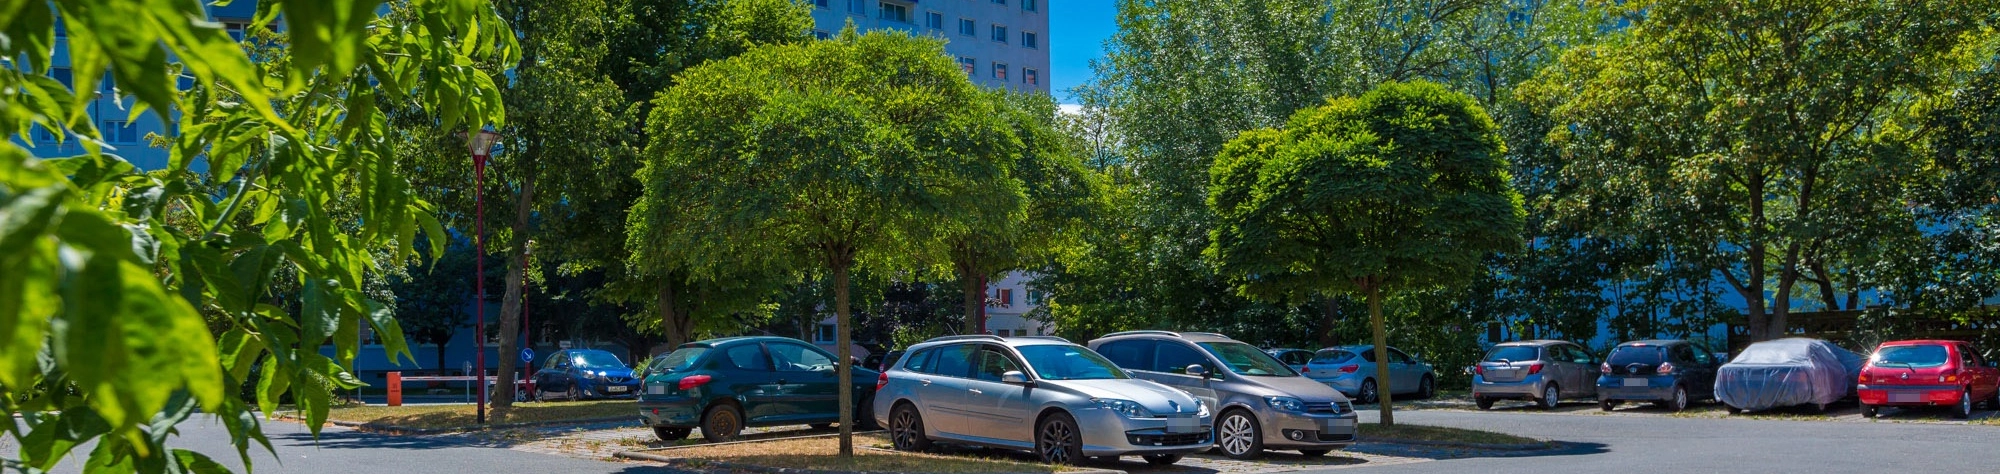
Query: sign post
[{"x": 395, "y": 389}]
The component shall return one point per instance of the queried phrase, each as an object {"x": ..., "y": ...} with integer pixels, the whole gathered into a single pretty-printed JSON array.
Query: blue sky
[{"x": 1077, "y": 29}]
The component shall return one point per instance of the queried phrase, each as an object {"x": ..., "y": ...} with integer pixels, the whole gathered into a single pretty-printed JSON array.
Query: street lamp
[{"x": 481, "y": 146}]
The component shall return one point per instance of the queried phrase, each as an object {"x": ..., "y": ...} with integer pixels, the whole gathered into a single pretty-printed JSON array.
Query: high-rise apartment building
[{"x": 999, "y": 43}]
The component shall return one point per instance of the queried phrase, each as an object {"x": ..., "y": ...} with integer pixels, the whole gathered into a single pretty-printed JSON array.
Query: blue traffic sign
[{"x": 527, "y": 355}]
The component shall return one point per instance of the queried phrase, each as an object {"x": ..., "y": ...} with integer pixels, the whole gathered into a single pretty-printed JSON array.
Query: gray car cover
[{"x": 1787, "y": 372}]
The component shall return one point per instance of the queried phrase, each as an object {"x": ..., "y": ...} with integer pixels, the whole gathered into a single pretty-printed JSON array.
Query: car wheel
[
  {"x": 1238, "y": 435},
  {"x": 722, "y": 423},
  {"x": 1607, "y": 405},
  {"x": 1551, "y": 396},
  {"x": 1483, "y": 402},
  {"x": 1313, "y": 453},
  {"x": 1964, "y": 408},
  {"x": 1679, "y": 402},
  {"x": 1368, "y": 394},
  {"x": 906, "y": 429},
  {"x": 1162, "y": 459},
  {"x": 573, "y": 394},
  {"x": 671, "y": 434},
  {"x": 1057, "y": 440},
  {"x": 1870, "y": 411},
  {"x": 1427, "y": 388}
]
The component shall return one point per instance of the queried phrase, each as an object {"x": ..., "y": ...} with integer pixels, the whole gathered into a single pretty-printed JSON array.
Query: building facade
[{"x": 999, "y": 43}]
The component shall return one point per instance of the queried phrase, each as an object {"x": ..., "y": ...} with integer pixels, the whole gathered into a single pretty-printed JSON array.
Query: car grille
[
  {"x": 1328, "y": 407},
  {"x": 1166, "y": 440},
  {"x": 619, "y": 380},
  {"x": 1325, "y": 436}
]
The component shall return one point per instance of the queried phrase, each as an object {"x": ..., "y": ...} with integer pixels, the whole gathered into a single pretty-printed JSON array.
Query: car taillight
[
  {"x": 1948, "y": 378},
  {"x": 1665, "y": 368},
  {"x": 1350, "y": 369},
  {"x": 1604, "y": 368},
  {"x": 693, "y": 381},
  {"x": 1479, "y": 370},
  {"x": 1535, "y": 369},
  {"x": 881, "y": 381}
]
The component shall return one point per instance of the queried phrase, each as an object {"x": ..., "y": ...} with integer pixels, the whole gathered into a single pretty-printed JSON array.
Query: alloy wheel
[
  {"x": 1239, "y": 435},
  {"x": 1368, "y": 391},
  {"x": 1551, "y": 396},
  {"x": 1056, "y": 441},
  {"x": 1680, "y": 399},
  {"x": 1964, "y": 405},
  {"x": 906, "y": 429}
]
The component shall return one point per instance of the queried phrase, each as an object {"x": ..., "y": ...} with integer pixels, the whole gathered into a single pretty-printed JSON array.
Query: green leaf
[
  {"x": 27, "y": 216},
  {"x": 319, "y": 316},
  {"x": 272, "y": 382},
  {"x": 197, "y": 463}
]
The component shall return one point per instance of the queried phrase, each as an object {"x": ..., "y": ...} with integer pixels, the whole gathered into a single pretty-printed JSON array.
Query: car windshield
[
  {"x": 1060, "y": 362},
  {"x": 1927, "y": 355},
  {"x": 1247, "y": 360},
  {"x": 1332, "y": 356},
  {"x": 678, "y": 360},
  {"x": 1512, "y": 354},
  {"x": 1643, "y": 355},
  {"x": 596, "y": 360}
]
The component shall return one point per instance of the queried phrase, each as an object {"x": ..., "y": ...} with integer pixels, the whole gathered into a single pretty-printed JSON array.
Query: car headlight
[
  {"x": 1286, "y": 403},
  {"x": 1130, "y": 409},
  {"x": 1204, "y": 407}
]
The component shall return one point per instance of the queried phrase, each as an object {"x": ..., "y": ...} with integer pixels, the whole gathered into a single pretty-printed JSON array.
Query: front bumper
[
  {"x": 1909, "y": 395},
  {"x": 680, "y": 412},
  {"x": 1106, "y": 433},
  {"x": 1529, "y": 387},
  {"x": 1657, "y": 388},
  {"x": 603, "y": 389},
  {"x": 1311, "y": 430}
]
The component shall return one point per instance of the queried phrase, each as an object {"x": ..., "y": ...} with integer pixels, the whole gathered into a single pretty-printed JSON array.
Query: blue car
[
  {"x": 580, "y": 374},
  {"x": 1668, "y": 373}
]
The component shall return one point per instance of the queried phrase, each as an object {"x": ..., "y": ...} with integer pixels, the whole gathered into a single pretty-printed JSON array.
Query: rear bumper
[
  {"x": 1909, "y": 395},
  {"x": 683, "y": 412},
  {"x": 1657, "y": 388},
  {"x": 1528, "y": 388}
]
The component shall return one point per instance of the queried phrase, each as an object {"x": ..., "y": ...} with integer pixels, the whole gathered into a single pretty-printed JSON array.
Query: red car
[{"x": 1928, "y": 373}]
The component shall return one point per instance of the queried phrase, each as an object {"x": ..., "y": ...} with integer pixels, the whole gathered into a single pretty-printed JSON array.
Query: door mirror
[
  {"x": 1197, "y": 370},
  {"x": 1014, "y": 377}
]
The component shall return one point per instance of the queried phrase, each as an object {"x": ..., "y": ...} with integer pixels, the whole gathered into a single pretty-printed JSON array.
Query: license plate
[
  {"x": 1337, "y": 425},
  {"x": 1637, "y": 382},
  {"x": 615, "y": 389},
  {"x": 1905, "y": 398},
  {"x": 656, "y": 389},
  {"x": 1183, "y": 425}
]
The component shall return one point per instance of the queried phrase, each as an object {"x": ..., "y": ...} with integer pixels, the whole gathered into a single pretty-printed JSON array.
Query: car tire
[
  {"x": 906, "y": 429},
  {"x": 1368, "y": 391},
  {"x": 1679, "y": 401},
  {"x": 1964, "y": 408},
  {"x": 1607, "y": 405},
  {"x": 1483, "y": 402},
  {"x": 574, "y": 394},
  {"x": 722, "y": 422},
  {"x": 1551, "y": 396},
  {"x": 1058, "y": 440},
  {"x": 1238, "y": 435},
  {"x": 1313, "y": 453},
  {"x": 671, "y": 434},
  {"x": 1427, "y": 388},
  {"x": 1870, "y": 411},
  {"x": 1161, "y": 459}
]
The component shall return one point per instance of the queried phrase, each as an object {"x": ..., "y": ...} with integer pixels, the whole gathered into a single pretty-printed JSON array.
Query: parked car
[
  {"x": 1671, "y": 373},
  {"x": 725, "y": 385},
  {"x": 880, "y": 360},
  {"x": 1043, "y": 394},
  {"x": 577, "y": 374},
  {"x": 1351, "y": 370},
  {"x": 1928, "y": 373},
  {"x": 1544, "y": 372},
  {"x": 1260, "y": 402},
  {"x": 1787, "y": 372},
  {"x": 1294, "y": 358}
]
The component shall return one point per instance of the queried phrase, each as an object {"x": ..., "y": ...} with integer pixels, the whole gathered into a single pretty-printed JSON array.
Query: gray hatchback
[
  {"x": 1260, "y": 403},
  {"x": 1541, "y": 371}
]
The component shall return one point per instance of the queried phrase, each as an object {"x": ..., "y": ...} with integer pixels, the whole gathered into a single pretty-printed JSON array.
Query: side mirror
[
  {"x": 1014, "y": 377},
  {"x": 1197, "y": 370}
]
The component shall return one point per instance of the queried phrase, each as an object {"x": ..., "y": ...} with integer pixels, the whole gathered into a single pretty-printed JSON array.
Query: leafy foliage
[{"x": 106, "y": 272}]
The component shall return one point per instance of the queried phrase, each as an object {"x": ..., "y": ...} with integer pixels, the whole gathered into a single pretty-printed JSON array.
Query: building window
[
  {"x": 1031, "y": 77},
  {"x": 234, "y": 29},
  {"x": 999, "y": 33},
  {"x": 1034, "y": 296},
  {"x": 820, "y": 3},
  {"x": 825, "y": 333},
  {"x": 821, "y": 34},
  {"x": 858, "y": 7},
  {"x": 44, "y": 135},
  {"x": 894, "y": 12},
  {"x": 934, "y": 20},
  {"x": 1030, "y": 40},
  {"x": 1003, "y": 297},
  {"x": 1004, "y": 333},
  {"x": 120, "y": 132},
  {"x": 1041, "y": 331},
  {"x": 1029, "y": 5},
  {"x": 967, "y": 64},
  {"x": 967, "y": 27},
  {"x": 999, "y": 2},
  {"x": 62, "y": 75}
]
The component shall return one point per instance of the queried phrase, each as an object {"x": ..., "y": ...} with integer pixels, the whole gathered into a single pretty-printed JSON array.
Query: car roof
[
  {"x": 1189, "y": 336},
  {"x": 1017, "y": 341},
  {"x": 1654, "y": 342},
  {"x": 1533, "y": 342},
  {"x": 1916, "y": 342},
  {"x": 727, "y": 341},
  {"x": 1286, "y": 349}
]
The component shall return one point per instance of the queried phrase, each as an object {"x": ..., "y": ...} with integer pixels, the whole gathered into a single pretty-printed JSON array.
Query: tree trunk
[
  {"x": 1382, "y": 381},
  {"x": 441, "y": 343},
  {"x": 510, "y": 306},
  {"x": 975, "y": 298},
  {"x": 673, "y": 323},
  {"x": 845, "y": 351},
  {"x": 1328, "y": 318}
]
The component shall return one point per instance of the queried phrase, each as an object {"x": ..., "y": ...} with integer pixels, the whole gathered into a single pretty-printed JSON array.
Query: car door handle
[
  {"x": 975, "y": 391},
  {"x": 926, "y": 382}
]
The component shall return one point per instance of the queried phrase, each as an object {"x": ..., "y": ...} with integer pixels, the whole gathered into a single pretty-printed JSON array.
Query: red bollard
[{"x": 395, "y": 389}]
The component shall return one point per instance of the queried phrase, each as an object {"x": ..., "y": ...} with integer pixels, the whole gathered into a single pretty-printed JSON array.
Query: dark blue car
[{"x": 579, "y": 374}]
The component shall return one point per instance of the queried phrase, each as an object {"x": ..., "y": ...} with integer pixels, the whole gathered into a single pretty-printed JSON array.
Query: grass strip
[{"x": 1439, "y": 434}]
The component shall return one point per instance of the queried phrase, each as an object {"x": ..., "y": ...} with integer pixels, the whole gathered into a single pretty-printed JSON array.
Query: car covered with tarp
[{"x": 1788, "y": 372}]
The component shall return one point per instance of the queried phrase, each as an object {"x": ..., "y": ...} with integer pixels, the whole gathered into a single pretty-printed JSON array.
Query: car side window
[
  {"x": 1296, "y": 358},
  {"x": 993, "y": 363},
  {"x": 1968, "y": 358},
  {"x": 1578, "y": 355},
  {"x": 1134, "y": 354},
  {"x": 1368, "y": 355},
  {"x": 953, "y": 360},
  {"x": 1701, "y": 356},
  {"x": 1398, "y": 357},
  {"x": 920, "y": 362},
  {"x": 797, "y": 358},
  {"x": 747, "y": 357},
  {"x": 1174, "y": 358}
]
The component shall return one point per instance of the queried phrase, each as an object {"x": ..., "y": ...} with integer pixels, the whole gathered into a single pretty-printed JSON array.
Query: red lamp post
[{"x": 481, "y": 146}]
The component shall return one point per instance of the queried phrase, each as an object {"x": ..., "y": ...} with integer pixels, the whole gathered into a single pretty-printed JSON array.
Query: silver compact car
[
  {"x": 1037, "y": 393},
  {"x": 1540, "y": 371},
  {"x": 1260, "y": 403}
]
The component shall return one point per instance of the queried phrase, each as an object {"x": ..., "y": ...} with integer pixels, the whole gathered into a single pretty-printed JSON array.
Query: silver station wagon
[{"x": 1037, "y": 393}]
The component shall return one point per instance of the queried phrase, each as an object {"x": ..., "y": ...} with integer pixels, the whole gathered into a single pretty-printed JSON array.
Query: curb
[
  {"x": 409, "y": 431},
  {"x": 707, "y": 465},
  {"x": 1450, "y": 444}
]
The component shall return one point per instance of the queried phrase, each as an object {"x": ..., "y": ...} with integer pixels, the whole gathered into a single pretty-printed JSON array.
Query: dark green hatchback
[{"x": 724, "y": 385}]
